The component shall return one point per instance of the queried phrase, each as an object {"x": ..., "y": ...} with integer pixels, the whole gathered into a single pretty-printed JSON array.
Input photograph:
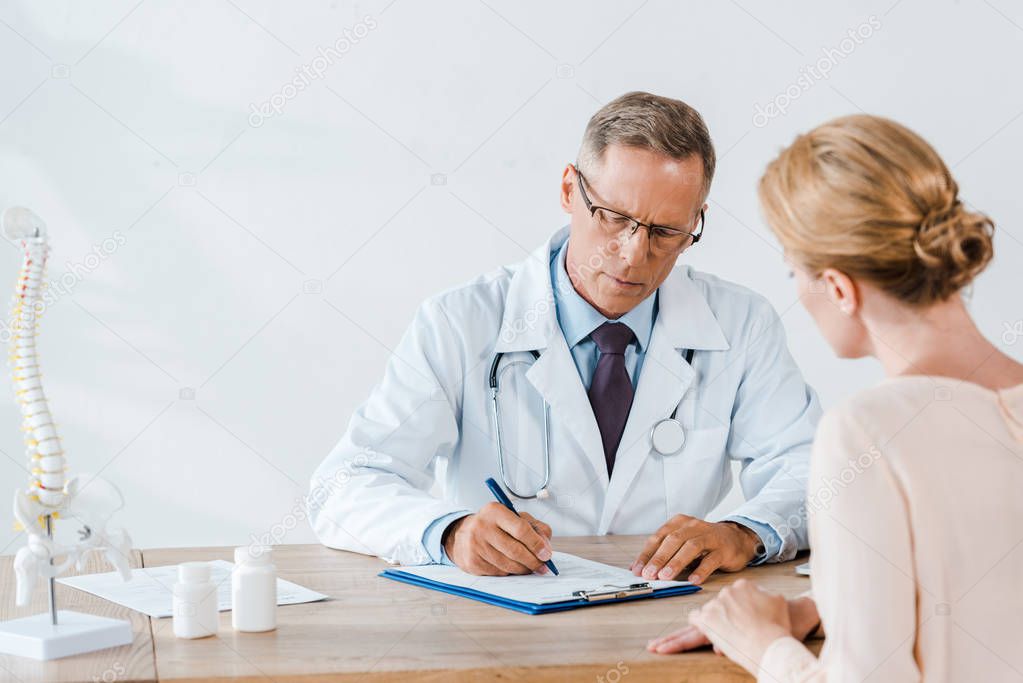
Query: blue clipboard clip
[{"x": 614, "y": 592}]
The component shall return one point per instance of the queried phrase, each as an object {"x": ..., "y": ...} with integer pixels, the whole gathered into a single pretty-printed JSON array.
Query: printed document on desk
[{"x": 150, "y": 589}]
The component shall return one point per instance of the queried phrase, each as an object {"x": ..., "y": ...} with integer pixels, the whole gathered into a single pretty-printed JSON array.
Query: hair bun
[
  {"x": 869, "y": 197},
  {"x": 953, "y": 245}
]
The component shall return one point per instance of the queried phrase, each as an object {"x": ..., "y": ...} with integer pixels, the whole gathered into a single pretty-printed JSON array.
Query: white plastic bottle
[
  {"x": 195, "y": 602},
  {"x": 253, "y": 589}
]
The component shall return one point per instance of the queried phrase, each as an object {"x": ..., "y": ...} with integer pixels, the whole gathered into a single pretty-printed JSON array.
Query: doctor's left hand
[{"x": 683, "y": 540}]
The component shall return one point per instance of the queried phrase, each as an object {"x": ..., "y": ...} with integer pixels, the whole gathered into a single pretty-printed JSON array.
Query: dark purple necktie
[{"x": 611, "y": 389}]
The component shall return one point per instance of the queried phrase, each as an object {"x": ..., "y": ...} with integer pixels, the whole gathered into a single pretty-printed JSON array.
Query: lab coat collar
[
  {"x": 686, "y": 316},
  {"x": 530, "y": 316},
  {"x": 684, "y": 321}
]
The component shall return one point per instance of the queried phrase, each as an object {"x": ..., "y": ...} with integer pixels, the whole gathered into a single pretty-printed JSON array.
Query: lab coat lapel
[
  {"x": 663, "y": 382},
  {"x": 684, "y": 321},
  {"x": 530, "y": 323},
  {"x": 556, "y": 378}
]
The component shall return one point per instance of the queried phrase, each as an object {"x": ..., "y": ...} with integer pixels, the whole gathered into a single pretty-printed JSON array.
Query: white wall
[{"x": 209, "y": 362}]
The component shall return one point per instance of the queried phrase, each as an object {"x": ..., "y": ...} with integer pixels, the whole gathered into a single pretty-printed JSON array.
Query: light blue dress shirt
[{"x": 577, "y": 319}]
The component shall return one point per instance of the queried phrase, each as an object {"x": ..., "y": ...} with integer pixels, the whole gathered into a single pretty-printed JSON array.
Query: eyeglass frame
[{"x": 636, "y": 224}]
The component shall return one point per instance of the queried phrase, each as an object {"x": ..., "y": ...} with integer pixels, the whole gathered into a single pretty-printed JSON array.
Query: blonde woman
[{"x": 915, "y": 502}]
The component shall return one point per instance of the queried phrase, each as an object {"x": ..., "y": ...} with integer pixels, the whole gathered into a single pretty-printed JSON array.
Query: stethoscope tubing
[{"x": 494, "y": 391}]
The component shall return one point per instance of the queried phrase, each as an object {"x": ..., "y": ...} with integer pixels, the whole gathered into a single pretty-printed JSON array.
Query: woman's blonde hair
[{"x": 869, "y": 197}]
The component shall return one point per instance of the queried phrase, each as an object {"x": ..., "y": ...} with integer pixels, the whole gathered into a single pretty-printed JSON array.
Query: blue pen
[{"x": 504, "y": 500}]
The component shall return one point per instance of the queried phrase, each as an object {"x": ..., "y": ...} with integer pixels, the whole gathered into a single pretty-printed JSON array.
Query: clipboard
[{"x": 613, "y": 585}]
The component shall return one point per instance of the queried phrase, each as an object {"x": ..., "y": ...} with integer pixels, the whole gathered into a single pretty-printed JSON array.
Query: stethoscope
[{"x": 667, "y": 437}]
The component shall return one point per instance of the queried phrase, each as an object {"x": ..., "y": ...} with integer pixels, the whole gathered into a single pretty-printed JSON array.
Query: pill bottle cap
[
  {"x": 193, "y": 572},
  {"x": 252, "y": 554}
]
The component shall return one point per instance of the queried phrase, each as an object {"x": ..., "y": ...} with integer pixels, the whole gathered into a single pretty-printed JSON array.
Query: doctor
[{"x": 625, "y": 388}]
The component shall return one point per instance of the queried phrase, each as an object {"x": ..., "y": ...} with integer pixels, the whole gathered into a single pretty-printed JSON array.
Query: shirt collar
[{"x": 578, "y": 318}]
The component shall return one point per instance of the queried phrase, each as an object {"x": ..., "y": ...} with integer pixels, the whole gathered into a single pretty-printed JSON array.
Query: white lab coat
[{"x": 424, "y": 442}]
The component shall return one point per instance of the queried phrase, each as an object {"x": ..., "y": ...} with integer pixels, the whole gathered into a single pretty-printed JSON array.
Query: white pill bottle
[
  {"x": 253, "y": 590},
  {"x": 195, "y": 602}
]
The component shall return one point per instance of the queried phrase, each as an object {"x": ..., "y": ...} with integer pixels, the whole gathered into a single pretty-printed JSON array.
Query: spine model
[
  {"x": 89, "y": 502},
  {"x": 46, "y": 455}
]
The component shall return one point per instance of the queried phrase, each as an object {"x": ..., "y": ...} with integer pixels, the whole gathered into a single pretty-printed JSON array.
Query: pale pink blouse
[{"x": 915, "y": 508}]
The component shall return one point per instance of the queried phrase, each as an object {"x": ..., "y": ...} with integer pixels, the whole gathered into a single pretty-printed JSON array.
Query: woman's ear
[
  {"x": 567, "y": 188},
  {"x": 841, "y": 291}
]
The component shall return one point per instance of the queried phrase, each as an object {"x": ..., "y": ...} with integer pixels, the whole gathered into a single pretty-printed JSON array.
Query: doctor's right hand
[{"x": 497, "y": 542}]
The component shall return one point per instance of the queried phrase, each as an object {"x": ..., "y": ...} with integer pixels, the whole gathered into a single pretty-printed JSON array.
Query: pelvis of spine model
[{"x": 90, "y": 503}]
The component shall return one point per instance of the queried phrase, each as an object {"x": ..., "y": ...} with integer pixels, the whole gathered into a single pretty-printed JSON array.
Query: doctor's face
[{"x": 611, "y": 269}]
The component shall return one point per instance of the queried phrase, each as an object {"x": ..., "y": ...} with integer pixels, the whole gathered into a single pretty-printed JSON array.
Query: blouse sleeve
[
  {"x": 787, "y": 660},
  {"x": 861, "y": 567},
  {"x": 862, "y": 563}
]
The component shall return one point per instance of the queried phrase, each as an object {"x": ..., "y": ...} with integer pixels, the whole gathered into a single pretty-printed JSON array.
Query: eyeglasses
[{"x": 614, "y": 223}]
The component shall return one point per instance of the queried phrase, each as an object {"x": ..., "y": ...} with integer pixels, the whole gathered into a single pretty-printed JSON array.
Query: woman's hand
[
  {"x": 742, "y": 621},
  {"x": 803, "y": 618}
]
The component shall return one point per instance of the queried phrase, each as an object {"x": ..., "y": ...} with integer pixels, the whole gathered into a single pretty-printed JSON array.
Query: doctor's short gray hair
[{"x": 641, "y": 119}]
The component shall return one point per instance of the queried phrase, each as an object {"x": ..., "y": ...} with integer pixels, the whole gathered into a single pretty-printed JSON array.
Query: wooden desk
[
  {"x": 125, "y": 663},
  {"x": 374, "y": 629}
]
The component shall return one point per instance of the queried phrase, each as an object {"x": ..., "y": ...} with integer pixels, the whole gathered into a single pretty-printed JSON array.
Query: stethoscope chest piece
[{"x": 667, "y": 436}]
